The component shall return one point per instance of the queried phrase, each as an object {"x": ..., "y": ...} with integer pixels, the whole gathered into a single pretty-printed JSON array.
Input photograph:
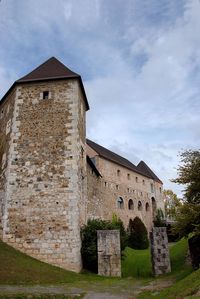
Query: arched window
[
  {"x": 147, "y": 206},
  {"x": 139, "y": 206},
  {"x": 130, "y": 204},
  {"x": 120, "y": 203}
]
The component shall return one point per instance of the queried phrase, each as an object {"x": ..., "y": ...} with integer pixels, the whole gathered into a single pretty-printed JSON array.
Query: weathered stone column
[
  {"x": 109, "y": 252},
  {"x": 159, "y": 251}
]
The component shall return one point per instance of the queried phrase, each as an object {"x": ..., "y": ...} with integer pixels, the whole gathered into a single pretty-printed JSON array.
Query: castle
[{"x": 52, "y": 180}]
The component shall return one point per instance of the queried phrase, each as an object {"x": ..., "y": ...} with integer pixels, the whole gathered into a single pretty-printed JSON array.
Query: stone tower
[{"x": 43, "y": 164}]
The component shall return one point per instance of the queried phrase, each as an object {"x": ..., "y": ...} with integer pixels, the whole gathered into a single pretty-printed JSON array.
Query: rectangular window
[
  {"x": 118, "y": 172},
  {"x": 152, "y": 188},
  {"x": 45, "y": 95},
  {"x": 128, "y": 176},
  {"x": 136, "y": 179}
]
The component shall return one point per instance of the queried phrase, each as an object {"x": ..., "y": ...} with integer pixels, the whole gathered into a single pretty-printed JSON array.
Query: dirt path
[{"x": 121, "y": 290}]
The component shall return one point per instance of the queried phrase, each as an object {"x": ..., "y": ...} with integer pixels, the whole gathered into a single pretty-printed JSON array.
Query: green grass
[
  {"x": 18, "y": 268},
  {"x": 137, "y": 263},
  {"x": 188, "y": 286}
]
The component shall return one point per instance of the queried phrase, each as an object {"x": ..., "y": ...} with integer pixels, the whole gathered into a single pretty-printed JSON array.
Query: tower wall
[
  {"x": 46, "y": 173},
  {"x": 6, "y": 114}
]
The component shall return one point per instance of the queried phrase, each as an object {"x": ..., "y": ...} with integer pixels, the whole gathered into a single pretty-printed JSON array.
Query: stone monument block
[
  {"x": 159, "y": 251},
  {"x": 109, "y": 253}
]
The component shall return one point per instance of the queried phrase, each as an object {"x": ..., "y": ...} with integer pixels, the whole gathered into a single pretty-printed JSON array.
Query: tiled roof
[
  {"x": 52, "y": 69},
  {"x": 142, "y": 168}
]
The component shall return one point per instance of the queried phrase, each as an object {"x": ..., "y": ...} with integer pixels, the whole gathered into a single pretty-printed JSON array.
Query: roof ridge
[{"x": 108, "y": 154}]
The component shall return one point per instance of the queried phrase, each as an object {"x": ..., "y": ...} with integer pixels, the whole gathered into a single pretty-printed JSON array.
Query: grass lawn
[
  {"x": 17, "y": 269},
  {"x": 137, "y": 263},
  {"x": 189, "y": 286}
]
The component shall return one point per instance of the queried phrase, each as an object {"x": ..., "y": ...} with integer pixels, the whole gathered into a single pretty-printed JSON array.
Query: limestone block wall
[
  {"x": 159, "y": 251},
  {"x": 109, "y": 253},
  {"x": 45, "y": 173},
  {"x": 6, "y": 114},
  {"x": 117, "y": 183}
]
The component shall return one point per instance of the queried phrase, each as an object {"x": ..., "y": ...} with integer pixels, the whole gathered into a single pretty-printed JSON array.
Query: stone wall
[
  {"x": 46, "y": 184},
  {"x": 104, "y": 193},
  {"x": 6, "y": 114},
  {"x": 159, "y": 251},
  {"x": 109, "y": 253}
]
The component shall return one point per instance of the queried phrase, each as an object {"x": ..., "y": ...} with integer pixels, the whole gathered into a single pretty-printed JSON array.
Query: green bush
[
  {"x": 89, "y": 240},
  {"x": 159, "y": 219},
  {"x": 138, "y": 236}
]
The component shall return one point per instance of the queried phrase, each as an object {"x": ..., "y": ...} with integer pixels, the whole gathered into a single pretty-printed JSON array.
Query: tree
[
  {"x": 138, "y": 238},
  {"x": 159, "y": 218},
  {"x": 172, "y": 203},
  {"x": 189, "y": 175},
  {"x": 188, "y": 214}
]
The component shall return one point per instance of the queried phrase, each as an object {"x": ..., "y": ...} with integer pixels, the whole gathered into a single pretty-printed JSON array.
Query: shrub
[
  {"x": 89, "y": 240},
  {"x": 138, "y": 237},
  {"x": 159, "y": 219}
]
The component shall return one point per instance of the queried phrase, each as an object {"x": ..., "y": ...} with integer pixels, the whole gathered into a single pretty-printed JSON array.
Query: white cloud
[{"x": 140, "y": 61}]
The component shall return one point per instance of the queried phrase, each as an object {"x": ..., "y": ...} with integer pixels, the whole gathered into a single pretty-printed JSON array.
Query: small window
[
  {"x": 152, "y": 188},
  {"x": 120, "y": 203},
  {"x": 143, "y": 182},
  {"x": 130, "y": 204},
  {"x": 139, "y": 206},
  {"x": 117, "y": 187},
  {"x": 147, "y": 207},
  {"x": 141, "y": 193},
  {"x": 128, "y": 176},
  {"x": 105, "y": 184},
  {"x": 160, "y": 190},
  {"x": 136, "y": 179},
  {"x": 118, "y": 172},
  {"x": 45, "y": 95},
  {"x": 128, "y": 190}
]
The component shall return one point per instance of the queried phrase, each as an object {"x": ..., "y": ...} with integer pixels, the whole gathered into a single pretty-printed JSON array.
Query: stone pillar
[
  {"x": 159, "y": 251},
  {"x": 109, "y": 253}
]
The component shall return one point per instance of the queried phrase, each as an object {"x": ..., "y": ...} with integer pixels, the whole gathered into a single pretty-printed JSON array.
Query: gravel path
[{"x": 91, "y": 291}]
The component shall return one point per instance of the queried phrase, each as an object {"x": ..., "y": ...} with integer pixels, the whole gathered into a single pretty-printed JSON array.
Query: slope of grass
[
  {"x": 137, "y": 263},
  {"x": 18, "y": 268},
  {"x": 189, "y": 286}
]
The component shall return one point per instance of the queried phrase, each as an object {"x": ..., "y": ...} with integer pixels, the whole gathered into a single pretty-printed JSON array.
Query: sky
[{"x": 139, "y": 62}]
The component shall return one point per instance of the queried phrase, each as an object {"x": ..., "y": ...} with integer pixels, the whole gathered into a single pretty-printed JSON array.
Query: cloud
[{"x": 140, "y": 62}]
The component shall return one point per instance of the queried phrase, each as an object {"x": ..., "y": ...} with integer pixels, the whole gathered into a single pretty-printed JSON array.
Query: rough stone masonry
[
  {"x": 109, "y": 253},
  {"x": 43, "y": 177},
  {"x": 160, "y": 251}
]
